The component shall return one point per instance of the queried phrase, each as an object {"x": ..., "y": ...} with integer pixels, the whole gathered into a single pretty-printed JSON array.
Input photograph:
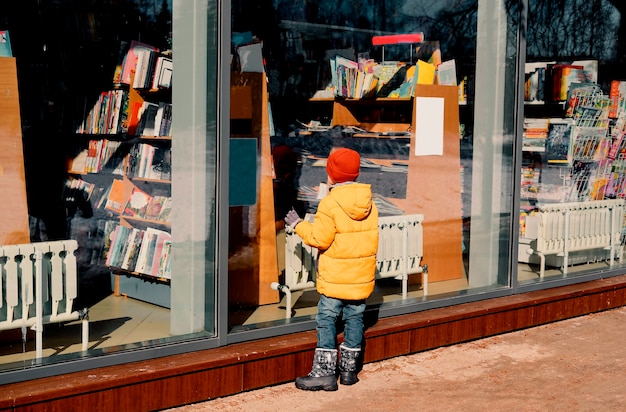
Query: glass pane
[
  {"x": 106, "y": 150},
  {"x": 434, "y": 131},
  {"x": 571, "y": 217}
]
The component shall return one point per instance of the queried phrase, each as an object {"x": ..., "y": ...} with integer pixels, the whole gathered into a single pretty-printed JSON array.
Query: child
[{"x": 345, "y": 231}]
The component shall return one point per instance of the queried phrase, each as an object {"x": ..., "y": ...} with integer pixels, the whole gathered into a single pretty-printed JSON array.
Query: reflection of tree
[
  {"x": 572, "y": 28},
  {"x": 620, "y": 48}
]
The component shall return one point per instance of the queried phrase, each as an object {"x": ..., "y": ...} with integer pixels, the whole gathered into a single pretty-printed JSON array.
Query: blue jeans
[{"x": 328, "y": 311}]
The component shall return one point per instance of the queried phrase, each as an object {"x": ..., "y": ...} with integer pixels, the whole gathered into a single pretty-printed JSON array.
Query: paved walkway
[{"x": 574, "y": 365}]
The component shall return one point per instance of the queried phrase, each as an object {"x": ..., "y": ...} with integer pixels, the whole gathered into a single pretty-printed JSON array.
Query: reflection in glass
[
  {"x": 414, "y": 128},
  {"x": 572, "y": 169}
]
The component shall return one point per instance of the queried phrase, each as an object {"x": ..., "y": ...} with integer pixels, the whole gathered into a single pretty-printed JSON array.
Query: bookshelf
[
  {"x": 14, "y": 227},
  {"x": 123, "y": 165}
]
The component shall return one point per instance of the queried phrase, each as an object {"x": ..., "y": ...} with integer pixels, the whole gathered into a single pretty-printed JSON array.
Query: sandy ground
[{"x": 573, "y": 365}]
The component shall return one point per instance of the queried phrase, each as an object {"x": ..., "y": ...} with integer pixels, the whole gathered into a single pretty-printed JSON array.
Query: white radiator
[
  {"x": 400, "y": 251},
  {"x": 561, "y": 228},
  {"x": 39, "y": 283}
]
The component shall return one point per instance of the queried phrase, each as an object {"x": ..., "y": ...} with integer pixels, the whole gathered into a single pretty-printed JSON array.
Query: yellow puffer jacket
[{"x": 345, "y": 231}]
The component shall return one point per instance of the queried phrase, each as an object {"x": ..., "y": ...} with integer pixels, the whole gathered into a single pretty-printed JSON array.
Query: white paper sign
[{"x": 429, "y": 126}]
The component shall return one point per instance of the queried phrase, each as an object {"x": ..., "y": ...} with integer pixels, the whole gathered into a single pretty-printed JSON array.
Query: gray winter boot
[
  {"x": 322, "y": 375},
  {"x": 348, "y": 358}
]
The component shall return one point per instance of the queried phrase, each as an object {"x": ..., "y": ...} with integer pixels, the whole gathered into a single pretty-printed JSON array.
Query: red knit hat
[{"x": 343, "y": 165}]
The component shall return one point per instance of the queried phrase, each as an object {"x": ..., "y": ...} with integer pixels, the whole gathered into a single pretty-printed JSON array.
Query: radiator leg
[
  {"x": 84, "y": 316},
  {"x": 405, "y": 260},
  {"x": 542, "y": 265},
  {"x": 38, "y": 305},
  {"x": 566, "y": 243},
  {"x": 425, "y": 279},
  {"x": 405, "y": 285},
  {"x": 285, "y": 289}
]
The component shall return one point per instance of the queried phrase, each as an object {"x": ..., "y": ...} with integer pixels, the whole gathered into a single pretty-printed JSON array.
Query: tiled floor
[
  {"x": 118, "y": 320},
  {"x": 113, "y": 321}
]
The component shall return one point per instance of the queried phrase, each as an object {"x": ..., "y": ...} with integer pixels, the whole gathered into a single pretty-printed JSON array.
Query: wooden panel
[
  {"x": 240, "y": 102},
  {"x": 268, "y": 262},
  {"x": 374, "y": 115},
  {"x": 274, "y": 370},
  {"x": 434, "y": 190},
  {"x": 250, "y": 281},
  {"x": 382, "y": 347},
  {"x": 13, "y": 208}
]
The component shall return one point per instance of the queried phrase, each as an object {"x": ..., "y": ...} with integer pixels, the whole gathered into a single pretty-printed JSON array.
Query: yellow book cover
[{"x": 425, "y": 73}]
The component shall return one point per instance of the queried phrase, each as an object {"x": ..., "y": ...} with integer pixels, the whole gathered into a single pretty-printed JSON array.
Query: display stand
[
  {"x": 14, "y": 227},
  {"x": 434, "y": 190}
]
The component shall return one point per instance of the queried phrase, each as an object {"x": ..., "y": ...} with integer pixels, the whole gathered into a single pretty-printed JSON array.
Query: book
[
  {"x": 146, "y": 159},
  {"x": 446, "y": 73},
  {"x": 425, "y": 73},
  {"x": 144, "y": 73},
  {"x": 124, "y": 115},
  {"x": 161, "y": 165},
  {"x": 152, "y": 238},
  {"x": 148, "y": 238},
  {"x": 162, "y": 239},
  {"x": 562, "y": 76},
  {"x": 615, "y": 145},
  {"x": 137, "y": 203},
  {"x": 559, "y": 142},
  {"x": 117, "y": 199},
  {"x": 134, "y": 113},
  {"x": 117, "y": 72},
  {"x": 107, "y": 240},
  {"x": 129, "y": 245},
  {"x": 118, "y": 244},
  {"x": 79, "y": 162},
  {"x": 147, "y": 120},
  {"x": 129, "y": 63},
  {"x": 617, "y": 95},
  {"x": 166, "y": 121},
  {"x": 103, "y": 196},
  {"x": 369, "y": 87},
  {"x": 390, "y": 77},
  {"x": 165, "y": 263},
  {"x": 166, "y": 210},
  {"x": 133, "y": 253},
  {"x": 5, "y": 44},
  {"x": 158, "y": 118},
  {"x": 155, "y": 207},
  {"x": 163, "y": 73}
]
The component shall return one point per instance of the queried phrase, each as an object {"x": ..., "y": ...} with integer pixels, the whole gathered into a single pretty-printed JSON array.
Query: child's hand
[{"x": 292, "y": 218}]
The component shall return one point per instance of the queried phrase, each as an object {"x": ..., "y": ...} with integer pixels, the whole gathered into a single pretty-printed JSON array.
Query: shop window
[
  {"x": 402, "y": 88},
  {"x": 572, "y": 200}
]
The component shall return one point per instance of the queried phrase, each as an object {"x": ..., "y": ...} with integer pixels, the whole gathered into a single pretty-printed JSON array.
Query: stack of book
[{"x": 140, "y": 251}]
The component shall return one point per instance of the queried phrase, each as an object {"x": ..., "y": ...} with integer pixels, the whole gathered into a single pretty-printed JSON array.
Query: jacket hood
[{"x": 355, "y": 199}]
